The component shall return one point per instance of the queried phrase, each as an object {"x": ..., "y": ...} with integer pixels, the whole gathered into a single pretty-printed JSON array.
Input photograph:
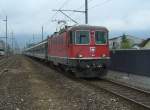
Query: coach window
[
  {"x": 82, "y": 37},
  {"x": 100, "y": 37}
]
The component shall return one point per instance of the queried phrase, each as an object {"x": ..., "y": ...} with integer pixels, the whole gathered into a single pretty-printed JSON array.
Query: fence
[{"x": 131, "y": 61}]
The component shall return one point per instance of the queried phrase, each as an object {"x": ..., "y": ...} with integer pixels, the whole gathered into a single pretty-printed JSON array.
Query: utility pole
[
  {"x": 12, "y": 42},
  {"x": 42, "y": 33},
  {"x": 33, "y": 38},
  {"x": 6, "y": 47},
  {"x": 86, "y": 11},
  {"x": 6, "y": 37}
]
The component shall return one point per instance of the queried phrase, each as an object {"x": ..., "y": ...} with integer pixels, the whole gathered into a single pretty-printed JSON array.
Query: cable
[
  {"x": 83, "y": 5},
  {"x": 9, "y": 26},
  {"x": 72, "y": 14},
  {"x": 80, "y": 7},
  {"x": 66, "y": 2},
  {"x": 106, "y": 1}
]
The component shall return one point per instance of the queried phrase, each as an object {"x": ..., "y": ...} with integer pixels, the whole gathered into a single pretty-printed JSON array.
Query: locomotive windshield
[
  {"x": 100, "y": 37},
  {"x": 82, "y": 37}
]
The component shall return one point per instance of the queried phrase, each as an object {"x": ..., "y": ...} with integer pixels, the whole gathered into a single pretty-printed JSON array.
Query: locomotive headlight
[
  {"x": 80, "y": 56},
  {"x": 104, "y": 55}
]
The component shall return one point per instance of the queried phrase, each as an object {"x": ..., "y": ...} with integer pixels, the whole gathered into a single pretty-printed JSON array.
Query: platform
[{"x": 141, "y": 82}]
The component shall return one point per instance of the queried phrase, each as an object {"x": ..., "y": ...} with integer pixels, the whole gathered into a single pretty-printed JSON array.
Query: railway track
[
  {"x": 135, "y": 95},
  {"x": 6, "y": 63},
  {"x": 3, "y": 62},
  {"x": 131, "y": 94},
  {"x": 1, "y": 57}
]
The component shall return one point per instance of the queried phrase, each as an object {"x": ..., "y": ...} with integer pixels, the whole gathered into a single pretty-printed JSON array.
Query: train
[
  {"x": 2, "y": 52},
  {"x": 81, "y": 49},
  {"x": 2, "y": 48}
]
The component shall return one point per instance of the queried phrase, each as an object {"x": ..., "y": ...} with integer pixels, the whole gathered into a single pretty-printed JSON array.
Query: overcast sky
[{"x": 26, "y": 17}]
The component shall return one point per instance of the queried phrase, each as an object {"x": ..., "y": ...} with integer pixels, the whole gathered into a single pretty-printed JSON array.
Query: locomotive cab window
[
  {"x": 100, "y": 37},
  {"x": 82, "y": 37},
  {"x": 72, "y": 37}
]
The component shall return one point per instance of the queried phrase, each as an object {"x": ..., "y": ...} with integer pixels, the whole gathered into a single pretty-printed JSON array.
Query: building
[
  {"x": 145, "y": 44},
  {"x": 115, "y": 43}
]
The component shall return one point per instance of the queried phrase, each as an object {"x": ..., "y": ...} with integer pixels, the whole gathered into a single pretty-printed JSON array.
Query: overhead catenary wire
[
  {"x": 95, "y": 6},
  {"x": 9, "y": 29},
  {"x": 66, "y": 2},
  {"x": 100, "y": 4},
  {"x": 82, "y": 5},
  {"x": 54, "y": 16},
  {"x": 2, "y": 30},
  {"x": 2, "y": 15},
  {"x": 79, "y": 10}
]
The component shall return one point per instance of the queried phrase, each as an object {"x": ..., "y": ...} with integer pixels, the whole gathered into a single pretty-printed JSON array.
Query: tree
[{"x": 125, "y": 43}]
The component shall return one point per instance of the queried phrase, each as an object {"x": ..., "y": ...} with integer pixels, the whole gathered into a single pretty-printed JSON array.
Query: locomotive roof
[
  {"x": 87, "y": 27},
  {"x": 80, "y": 27}
]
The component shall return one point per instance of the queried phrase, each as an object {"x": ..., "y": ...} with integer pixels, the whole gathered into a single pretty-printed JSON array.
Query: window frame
[
  {"x": 71, "y": 37},
  {"x": 88, "y": 34},
  {"x": 106, "y": 37}
]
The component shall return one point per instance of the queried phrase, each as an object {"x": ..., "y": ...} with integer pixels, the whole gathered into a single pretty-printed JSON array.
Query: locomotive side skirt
[{"x": 58, "y": 60}]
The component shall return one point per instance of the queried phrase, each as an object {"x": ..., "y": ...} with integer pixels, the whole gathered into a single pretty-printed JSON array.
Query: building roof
[
  {"x": 126, "y": 36},
  {"x": 144, "y": 42}
]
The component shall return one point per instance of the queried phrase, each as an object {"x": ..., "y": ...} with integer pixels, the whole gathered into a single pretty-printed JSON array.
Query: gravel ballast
[{"x": 30, "y": 85}]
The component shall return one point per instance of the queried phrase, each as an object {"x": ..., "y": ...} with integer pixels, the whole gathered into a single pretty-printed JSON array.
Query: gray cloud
[{"x": 27, "y": 16}]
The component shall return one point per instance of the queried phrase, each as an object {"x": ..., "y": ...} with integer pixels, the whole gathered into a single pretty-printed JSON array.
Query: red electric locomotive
[{"x": 83, "y": 49}]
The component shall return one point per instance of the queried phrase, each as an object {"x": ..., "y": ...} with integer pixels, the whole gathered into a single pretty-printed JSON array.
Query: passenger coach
[{"x": 38, "y": 50}]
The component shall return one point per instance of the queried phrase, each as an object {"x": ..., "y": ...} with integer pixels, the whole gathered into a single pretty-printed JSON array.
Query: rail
[{"x": 132, "y": 94}]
